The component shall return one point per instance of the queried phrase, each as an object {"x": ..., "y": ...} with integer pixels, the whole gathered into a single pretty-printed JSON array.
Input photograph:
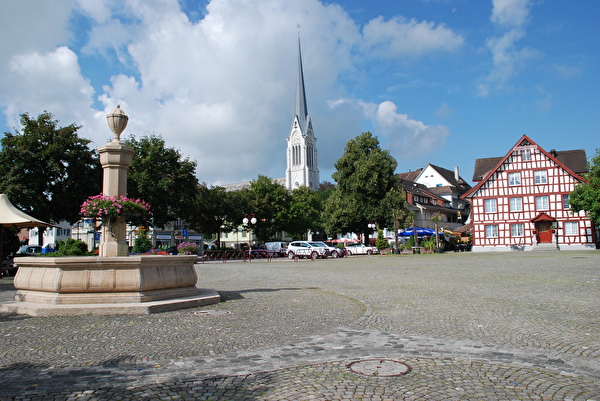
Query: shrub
[
  {"x": 381, "y": 242},
  {"x": 142, "y": 243},
  {"x": 409, "y": 244},
  {"x": 71, "y": 247}
]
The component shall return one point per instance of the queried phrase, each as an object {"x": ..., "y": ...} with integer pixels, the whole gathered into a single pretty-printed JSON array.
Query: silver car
[
  {"x": 334, "y": 251},
  {"x": 361, "y": 249},
  {"x": 306, "y": 249}
]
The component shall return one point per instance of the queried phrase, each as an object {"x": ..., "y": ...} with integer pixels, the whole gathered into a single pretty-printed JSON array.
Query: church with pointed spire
[{"x": 302, "y": 163}]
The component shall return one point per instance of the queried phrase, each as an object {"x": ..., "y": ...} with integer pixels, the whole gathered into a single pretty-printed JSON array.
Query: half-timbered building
[{"x": 521, "y": 200}]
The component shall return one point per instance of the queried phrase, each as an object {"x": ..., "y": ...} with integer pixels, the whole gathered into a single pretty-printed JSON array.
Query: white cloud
[
  {"x": 545, "y": 103},
  {"x": 407, "y": 138},
  {"x": 445, "y": 111},
  {"x": 220, "y": 89},
  {"x": 27, "y": 26},
  {"x": 510, "y": 16},
  {"x": 567, "y": 71},
  {"x": 404, "y": 137},
  {"x": 511, "y": 13},
  {"x": 399, "y": 37},
  {"x": 54, "y": 78}
]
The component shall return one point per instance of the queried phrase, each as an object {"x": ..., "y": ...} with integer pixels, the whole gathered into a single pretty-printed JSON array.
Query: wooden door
[{"x": 544, "y": 231}]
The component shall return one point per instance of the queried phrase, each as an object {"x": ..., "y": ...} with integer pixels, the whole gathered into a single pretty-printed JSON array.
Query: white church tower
[{"x": 302, "y": 166}]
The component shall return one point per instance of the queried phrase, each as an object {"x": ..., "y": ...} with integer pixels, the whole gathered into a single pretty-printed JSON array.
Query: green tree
[
  {"x": 48, "y": 171},
  {"x": 303, "y": 213},
  {"x": 586, "y": 195},
  {"x": 268, "y": 201},
  {"x": 364, "y": 176},
  {"x": 163, "y": 178},
  {"x": 381, "y": 242},
  {"x": 215, "y": 210}
]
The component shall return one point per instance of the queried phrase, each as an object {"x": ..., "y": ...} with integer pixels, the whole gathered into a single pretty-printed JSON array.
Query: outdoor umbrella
[
  {"x": 420, "y": 232},
  {"x": 10, "y": 216},
  {"x": 343, "y": 240}
]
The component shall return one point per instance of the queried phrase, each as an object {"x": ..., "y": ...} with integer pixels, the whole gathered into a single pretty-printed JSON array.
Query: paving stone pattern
[{"x": 498, "y": 326}]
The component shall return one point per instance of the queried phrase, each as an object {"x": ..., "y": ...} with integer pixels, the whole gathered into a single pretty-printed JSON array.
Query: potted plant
[
  {"x": 109, "y": 208},
  {"x": 188, "y": 248}
]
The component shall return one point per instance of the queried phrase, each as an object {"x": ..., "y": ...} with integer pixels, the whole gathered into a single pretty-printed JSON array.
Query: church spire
[
  {"x": 301, "y": 108},
  {"x": 302, "y": 165}
]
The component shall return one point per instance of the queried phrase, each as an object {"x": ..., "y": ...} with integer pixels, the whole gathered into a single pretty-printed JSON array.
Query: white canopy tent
[{"x": 10, "y": 216}]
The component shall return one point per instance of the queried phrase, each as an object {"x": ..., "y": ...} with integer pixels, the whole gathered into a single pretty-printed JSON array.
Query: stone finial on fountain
[{"x": 117, "y": 121}]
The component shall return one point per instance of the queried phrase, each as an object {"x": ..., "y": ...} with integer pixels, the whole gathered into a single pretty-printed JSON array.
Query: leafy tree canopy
[
  {"x": 364, "y": 176},
  {"x": 48, "y": 171},
  {"x": 303, "y": 213},
  {"x": 586, "y": 195},
  {"x": 163, "y": 178},
  {"x": 215, "y": 210},
  {"x": 269, "y": 202}
]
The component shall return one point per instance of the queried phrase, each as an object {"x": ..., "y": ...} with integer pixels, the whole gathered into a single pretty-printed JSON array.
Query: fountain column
[{"x": 115, "y": 158}]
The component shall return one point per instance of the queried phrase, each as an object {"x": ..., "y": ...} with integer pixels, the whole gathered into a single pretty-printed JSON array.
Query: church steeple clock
[{"x": 302, "y": 166}]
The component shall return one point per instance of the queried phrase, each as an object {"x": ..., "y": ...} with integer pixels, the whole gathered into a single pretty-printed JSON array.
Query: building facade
[
  {"x": 302, "y": 163},
  {"x": 432, "y": 191},
  {"x": 521, "y": 201}
]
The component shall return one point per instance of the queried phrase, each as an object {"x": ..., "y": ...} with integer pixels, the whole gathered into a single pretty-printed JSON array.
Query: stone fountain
[{"x": 111, "y": 283}]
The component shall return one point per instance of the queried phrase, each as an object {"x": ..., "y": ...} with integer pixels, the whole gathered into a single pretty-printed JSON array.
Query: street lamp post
[
  {"x": 372, "y": 226},
  {"x": 248, "y": 220}
]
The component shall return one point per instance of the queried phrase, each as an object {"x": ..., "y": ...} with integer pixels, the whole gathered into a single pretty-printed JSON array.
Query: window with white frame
[
  {"x": 490, "y": 205},
  {"x": 541, "y": 202},
  {"x": 526, "y": 154},
  {"x": 491, "y": 231},
  {"x": 566, "y": 204},
  {"x": 541, "y": 177},
  {"x": 514, "y": 178},
  {"x": 517, "y": 230},
  {"x": 571, "y": 227},
  {"x": 516, "y": 204}
]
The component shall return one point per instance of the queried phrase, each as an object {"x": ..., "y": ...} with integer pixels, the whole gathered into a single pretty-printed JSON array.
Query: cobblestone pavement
[{"x": 465, "y": 326}]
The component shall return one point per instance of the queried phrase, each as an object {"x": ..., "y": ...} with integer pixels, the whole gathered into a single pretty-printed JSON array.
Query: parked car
[
  {"x": 29, "y": 250},
  {"x": 256, "y": 253},
  {"x": 277, "y": 248},
  {"x": 334, "y": 251},
  {"x": 9, "y": 267},
  {"x": 307, "y": 249},
  {"x": 361, "y": 249}
]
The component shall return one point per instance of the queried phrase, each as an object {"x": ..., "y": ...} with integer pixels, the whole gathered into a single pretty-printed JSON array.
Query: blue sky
[{"x": 438, "y": 81}]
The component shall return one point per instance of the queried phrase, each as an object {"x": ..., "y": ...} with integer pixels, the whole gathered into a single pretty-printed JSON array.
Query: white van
[{"x": 278, "y": 247}]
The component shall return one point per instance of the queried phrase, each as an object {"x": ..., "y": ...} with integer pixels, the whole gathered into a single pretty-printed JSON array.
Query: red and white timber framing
[{"x": 522, "y": 204}]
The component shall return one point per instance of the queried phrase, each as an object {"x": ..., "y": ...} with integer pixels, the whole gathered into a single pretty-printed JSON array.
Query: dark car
[
  {"x": 9, "y": 268},
  {"x": 29, "y": 250},
  {"x": 256, "y": 253}
]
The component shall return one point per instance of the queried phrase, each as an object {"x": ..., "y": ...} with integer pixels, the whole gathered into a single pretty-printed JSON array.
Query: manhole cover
[
  {"x": 379, "y": 367},
  {"x": 212, "y": 313}
]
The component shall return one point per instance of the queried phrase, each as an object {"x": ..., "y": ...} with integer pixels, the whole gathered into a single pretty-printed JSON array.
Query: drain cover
[
  {"x": 379, "y": 367},
  {"x": 212, "y": 313}
]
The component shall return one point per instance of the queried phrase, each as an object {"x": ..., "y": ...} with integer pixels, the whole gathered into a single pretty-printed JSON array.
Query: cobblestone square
[{"x": 469, "y": 326}]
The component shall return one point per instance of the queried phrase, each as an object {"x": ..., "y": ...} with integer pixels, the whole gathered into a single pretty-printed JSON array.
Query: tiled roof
[
  {"x": 445, "y": 190},
  {"x": 449, "y": 176},
  {"x": 573, "y": 159},
  {"x": 484, "y": 166},
  {"x": 409, "y": 176}
]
